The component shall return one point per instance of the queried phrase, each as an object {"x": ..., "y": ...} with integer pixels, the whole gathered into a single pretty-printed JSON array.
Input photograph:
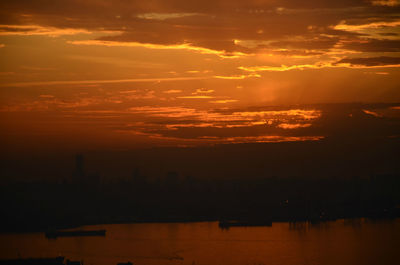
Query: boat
[{"x": 70, "y": 233}]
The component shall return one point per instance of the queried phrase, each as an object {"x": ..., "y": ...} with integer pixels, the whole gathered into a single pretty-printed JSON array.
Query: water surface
[{"x": 349, "y": 242}]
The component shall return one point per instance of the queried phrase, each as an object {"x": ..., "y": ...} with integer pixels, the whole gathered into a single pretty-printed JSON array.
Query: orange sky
[{"x": 117, "y": 74}]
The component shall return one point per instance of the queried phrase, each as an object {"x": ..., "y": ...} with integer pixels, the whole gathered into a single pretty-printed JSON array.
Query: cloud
[
  {"x": 385, "y": 2},
  {"x": 181, "y": 46},
  {"x": 29, "y": 30},
  {"x": 134, "y": 91},
  {"x": 371, "y": 61},
  {"x": 294, "y": 125},
  {"x": 203, "y": 91},
  {"x": 284, "y": 68},
  {"x": 49, "y": 103},
  {"x": 356, "y": 63},
  {"x": 46, "y": 96},
  {"x": 271, "y": 139},
  {"x": 223, "y": 101},
  {"x": 373, "y": 113},
  {"x": 111, "y": 81},
  {"x": 371, "y": 45},
  {"x": 223, "y": 126},
  {"x": 172, "y": 91},
  {"x": 372, "y": 25},
  {"x": 209, "y": 27},
  {"x": 236, "y": 77},
  {"x": 256, "y": 36},
  {"x": 195, "y": 97},
  {"x": 164, "y": 16}
]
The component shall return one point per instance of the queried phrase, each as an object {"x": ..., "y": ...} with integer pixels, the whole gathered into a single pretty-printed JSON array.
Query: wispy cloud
[
  {"x": 164, "y": 16},
  {"x": 271, "y": 139},
  {"x": 294, "y": 125},
  {"x": 183, "y": 46},
  {"x": 236, "y": 77},
  {"x": 46, "y": 96},
  {"x": 28, "y": 30},
  {"x": 356, "y": 63},
  {"x": 196, "y": 97},
  {"x": 372, "y": 25},
  {"x": 283, "y": 68},
  {"x": 223, "y": 101},
  {"x": 203, "y": 91},
  {"x": 111, "y": 81},
  {"x": 172, "y": 91},
  {"x": 373, "y": 113}
]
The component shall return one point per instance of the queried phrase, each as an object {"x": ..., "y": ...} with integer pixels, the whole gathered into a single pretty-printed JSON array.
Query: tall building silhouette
[{"x": 79, "y": 167}]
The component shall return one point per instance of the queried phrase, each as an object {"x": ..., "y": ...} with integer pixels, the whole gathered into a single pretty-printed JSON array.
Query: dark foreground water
[{"x": 350, "y": 242}]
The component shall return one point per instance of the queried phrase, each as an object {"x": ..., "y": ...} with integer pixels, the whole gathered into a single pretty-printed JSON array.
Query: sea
[{"x": 346, "y": 242}]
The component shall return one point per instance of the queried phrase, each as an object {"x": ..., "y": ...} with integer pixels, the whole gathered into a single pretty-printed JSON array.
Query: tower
[{"x": 79, "y": 167}]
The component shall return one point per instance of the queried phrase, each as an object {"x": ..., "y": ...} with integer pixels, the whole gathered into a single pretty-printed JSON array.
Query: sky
[{"x": 122, "y": 74}]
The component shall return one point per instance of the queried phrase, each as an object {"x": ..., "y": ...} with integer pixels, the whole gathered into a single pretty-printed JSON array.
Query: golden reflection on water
[{"x": 341, "y": 242}]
